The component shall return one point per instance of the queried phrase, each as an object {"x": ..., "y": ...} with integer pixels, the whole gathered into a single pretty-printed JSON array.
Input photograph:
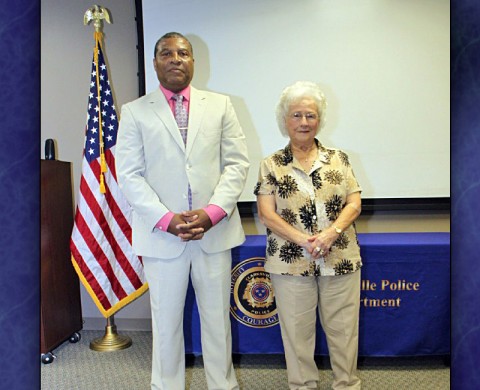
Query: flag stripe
[
  {"x": 110, "y": 158},
  {"x": 90, "y": 277}
]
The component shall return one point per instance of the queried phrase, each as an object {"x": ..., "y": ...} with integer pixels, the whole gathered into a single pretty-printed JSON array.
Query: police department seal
[{"x": 252, "y": 300}]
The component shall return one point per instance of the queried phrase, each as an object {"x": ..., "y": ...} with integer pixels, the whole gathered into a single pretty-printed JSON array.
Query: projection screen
[{"x": 383, "y": 65}]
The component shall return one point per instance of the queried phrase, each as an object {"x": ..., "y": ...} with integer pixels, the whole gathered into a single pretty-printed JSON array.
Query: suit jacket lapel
[
  {"x": 161, "y": 107},
  {"x": 198, "y": 104}
]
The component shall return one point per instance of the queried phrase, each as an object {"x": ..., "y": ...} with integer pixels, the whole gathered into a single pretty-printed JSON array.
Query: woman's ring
[
  {"x": 322, "y": 252},
  {"x": 318, "y": 249}
]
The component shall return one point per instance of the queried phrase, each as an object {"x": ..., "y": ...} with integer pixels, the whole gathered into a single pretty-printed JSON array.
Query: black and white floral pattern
[
  {"x": 286, "y": 186},
  {"x": 342, "y": 241},
  {"x": 316, "y": 179},
  {"x": 283, "y": 157},
  {"x": 289, "y": 216},
  {"x": 308, "y": 216},
  {"x": 334, "y": 206},
  {"x": 333, "y": 177},
  {"x": 343, "y": 267},
  {"x": 272, "y": 246},
  {"x": 343, "y": 158},
  {"x": 290, "y": 252}
]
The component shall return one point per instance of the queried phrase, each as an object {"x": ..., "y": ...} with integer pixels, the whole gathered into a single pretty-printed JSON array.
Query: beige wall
[{"x": 66, "y": 53}]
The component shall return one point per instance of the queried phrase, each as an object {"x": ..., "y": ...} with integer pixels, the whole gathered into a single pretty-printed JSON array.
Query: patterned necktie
[{"x": 181, "y": 116}]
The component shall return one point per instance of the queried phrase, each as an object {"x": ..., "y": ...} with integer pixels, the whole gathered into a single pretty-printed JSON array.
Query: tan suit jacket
[{"x": 154, "y": 168}]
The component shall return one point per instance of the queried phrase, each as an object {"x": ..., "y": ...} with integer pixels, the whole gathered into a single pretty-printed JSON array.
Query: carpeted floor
[{"x": 77, "y": 367}]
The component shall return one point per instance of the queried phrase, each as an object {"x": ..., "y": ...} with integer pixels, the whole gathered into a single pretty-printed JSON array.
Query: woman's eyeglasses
[{"x": 298, "y": 116}]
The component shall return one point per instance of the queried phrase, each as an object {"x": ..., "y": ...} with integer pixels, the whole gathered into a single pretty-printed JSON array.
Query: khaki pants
[{"x": 338, "y": 302}]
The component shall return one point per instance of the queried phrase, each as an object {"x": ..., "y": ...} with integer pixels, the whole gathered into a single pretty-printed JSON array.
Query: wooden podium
[{"x": 61, "y": 312}]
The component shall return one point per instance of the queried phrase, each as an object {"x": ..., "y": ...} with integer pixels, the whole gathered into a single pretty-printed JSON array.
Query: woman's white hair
[{"x": 296, "y": 92}]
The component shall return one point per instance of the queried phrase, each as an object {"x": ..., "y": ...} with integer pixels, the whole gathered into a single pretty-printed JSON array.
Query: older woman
[{"x": 308, "y": 199}]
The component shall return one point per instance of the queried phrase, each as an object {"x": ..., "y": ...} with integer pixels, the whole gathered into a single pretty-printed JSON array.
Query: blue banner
[{"x": 404, "y": 303}]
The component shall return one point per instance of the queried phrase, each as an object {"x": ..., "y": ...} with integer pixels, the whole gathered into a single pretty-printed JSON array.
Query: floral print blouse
[{"x": 310, "y": 202}]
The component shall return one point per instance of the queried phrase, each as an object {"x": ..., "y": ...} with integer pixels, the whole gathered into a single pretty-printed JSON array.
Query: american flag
[{"x": 101, "y": 242}]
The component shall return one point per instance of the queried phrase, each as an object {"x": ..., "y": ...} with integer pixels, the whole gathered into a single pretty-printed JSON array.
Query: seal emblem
[{"x": 252, "y": 301}]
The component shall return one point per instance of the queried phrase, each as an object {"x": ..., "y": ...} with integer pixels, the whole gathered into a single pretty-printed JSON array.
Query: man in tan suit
[{"x": 183, "y": 179}]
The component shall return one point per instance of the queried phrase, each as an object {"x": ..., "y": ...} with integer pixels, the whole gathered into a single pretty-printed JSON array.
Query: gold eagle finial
[{"x": 96, "y": 13}]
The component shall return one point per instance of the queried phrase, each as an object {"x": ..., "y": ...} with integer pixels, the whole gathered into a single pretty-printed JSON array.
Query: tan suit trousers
[{"x": 338, "y": 301}]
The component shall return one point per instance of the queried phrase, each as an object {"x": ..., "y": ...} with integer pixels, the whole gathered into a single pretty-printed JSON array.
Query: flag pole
[{"x": 111, "y": 341}]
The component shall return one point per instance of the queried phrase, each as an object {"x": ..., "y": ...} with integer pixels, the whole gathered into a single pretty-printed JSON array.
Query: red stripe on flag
[
  {"x": 90, "y": 277},
  {"x": 110, "y": 159}
]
